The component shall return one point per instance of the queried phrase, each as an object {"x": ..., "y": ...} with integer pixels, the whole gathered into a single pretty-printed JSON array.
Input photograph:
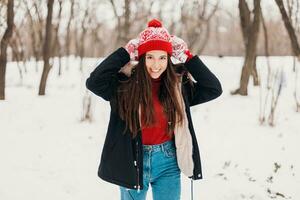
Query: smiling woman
[
  {"x": 156, "y": 62},
  {"x": 150, "y": 138}
]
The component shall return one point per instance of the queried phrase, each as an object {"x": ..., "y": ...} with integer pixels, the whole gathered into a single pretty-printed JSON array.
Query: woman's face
[{"x": 156, "y": 62}]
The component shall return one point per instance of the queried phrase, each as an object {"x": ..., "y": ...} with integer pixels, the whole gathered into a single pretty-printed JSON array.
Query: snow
[{"x": 48, "y": 153}]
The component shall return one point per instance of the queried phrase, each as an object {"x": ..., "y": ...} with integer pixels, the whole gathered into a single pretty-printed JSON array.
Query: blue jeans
[{"x": 161, "y": 171}]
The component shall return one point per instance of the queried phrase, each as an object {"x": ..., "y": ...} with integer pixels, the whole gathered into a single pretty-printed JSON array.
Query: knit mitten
[
  {"x": 180, "y": 49},
  {"x": 131, "y": 48}
]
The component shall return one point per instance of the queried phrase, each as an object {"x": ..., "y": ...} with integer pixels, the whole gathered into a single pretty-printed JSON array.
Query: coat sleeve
[
  {"x": 207, "y": 86},
  {"x": 103, "y": 80}
]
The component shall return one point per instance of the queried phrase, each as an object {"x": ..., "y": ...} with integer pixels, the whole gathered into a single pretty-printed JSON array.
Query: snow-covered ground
[{"x": 47, "y": 153}]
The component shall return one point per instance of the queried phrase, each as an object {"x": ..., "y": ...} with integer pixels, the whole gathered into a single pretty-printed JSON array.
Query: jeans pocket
[{"x": 170, "y": 152}]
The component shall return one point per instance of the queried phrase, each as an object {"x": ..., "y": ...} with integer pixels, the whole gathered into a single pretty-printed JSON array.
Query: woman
[{"x": 150, "y": 138}]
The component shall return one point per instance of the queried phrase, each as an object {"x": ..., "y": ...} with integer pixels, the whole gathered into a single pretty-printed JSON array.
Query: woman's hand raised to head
[
  {"x": 131, "y": 48},
  {"x": 180, "y": 49}
]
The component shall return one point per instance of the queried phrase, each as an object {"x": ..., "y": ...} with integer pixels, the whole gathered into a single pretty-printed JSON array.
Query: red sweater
[{"x": 157, "y": 133}]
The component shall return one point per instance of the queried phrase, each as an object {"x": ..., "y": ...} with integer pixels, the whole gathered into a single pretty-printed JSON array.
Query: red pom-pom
[{"x": 154, "y": 23}]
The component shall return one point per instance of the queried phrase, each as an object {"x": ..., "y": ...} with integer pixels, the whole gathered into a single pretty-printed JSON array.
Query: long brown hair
[{"x": 137, "y": 90}]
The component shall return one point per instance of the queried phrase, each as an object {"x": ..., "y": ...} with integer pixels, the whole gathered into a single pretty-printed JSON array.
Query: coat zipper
[{"x": 137, "y": 166}]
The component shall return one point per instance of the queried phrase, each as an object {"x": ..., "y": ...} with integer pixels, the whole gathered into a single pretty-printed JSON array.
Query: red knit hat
[{"x": 154, "y": 37}]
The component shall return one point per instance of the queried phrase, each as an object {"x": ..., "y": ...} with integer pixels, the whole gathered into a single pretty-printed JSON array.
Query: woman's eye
[
  {"x": 163, "y": 58},
  {"x": 149, "y": 57}
]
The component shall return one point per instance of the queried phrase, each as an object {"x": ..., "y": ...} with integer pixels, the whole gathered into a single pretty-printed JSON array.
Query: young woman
[{"x": 150, "y": 138}]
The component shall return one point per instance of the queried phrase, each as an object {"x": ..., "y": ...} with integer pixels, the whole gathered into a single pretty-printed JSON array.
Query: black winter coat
[{"x": 122, "y": 157}]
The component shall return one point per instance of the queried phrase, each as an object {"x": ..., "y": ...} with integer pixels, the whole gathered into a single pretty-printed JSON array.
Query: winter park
[{"x": 230, "y": 69}]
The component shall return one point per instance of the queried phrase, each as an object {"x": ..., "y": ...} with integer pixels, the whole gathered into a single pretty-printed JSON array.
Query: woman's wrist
[{"x": 189, "y": 55}]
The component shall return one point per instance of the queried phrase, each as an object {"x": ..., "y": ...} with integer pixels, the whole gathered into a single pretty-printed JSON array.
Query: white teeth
[{"x": 156, "y": 70}]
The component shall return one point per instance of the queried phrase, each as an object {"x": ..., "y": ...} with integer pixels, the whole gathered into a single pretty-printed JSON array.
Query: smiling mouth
[{"x": 157, "y": 70}]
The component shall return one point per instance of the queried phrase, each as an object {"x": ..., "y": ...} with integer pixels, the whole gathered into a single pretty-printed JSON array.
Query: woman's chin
[{"x": 155, "y": 76}]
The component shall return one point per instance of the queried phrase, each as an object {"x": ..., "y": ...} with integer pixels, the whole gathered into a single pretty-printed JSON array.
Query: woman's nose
[{"x": 156, "y": 63}]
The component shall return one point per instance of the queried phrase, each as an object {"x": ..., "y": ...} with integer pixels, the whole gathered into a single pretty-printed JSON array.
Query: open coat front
[{"x": 122, "y": 157}]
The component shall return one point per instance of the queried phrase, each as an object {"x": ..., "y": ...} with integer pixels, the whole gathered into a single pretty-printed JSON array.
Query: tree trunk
[
  {"x": 123, "y": 22},
  {"x": 202, "y": 46},
  {"x": 87, "y": 114},
  {"x": 245, "y": 20},
  {"x": 196, "y": 23},
  {"x": 68, "y": 37},
  {"x": 250, "y": 51},
  {"x": 4, "y": 43},
  {"x": 34, "y": 38},
  {"x": 57, "y": 51},
  {"x": 266, "y": 39},
  {"x": 40, "y": 25},
  {"x": 119, "y": 25},
  {"x": 47, "y": 49},
  {"x": 83, "y": 36},
  {"x": 127, "y": 24},
  {"x": 16, "y": 56},
  {"x": 21, "y": 49},
  {"x": 97, "y": 41},
  {"x": 254, "y": 73},
  {"x": 290, "y": 29}
]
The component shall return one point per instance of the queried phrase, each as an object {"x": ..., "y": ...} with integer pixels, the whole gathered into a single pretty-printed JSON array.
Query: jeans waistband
[{"x": 159, "y": 147}]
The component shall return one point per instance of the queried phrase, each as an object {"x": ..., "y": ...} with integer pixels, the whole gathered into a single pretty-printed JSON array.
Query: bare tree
[
  {"x": 16, "y": 42},
  {"x": 245, "y": 19},
  {"x": 40, "y": 25},
  {"x": 84, "y": 28},
  {"x": 47, "y": 48},
  {"x": 56, "y": 46},
  {"x": 293, "y": 39},
  {"x": 123, "y": 22},
  {"x": 87, "y": 114},
  {"x": 290, "y": 29},
  {"x": 293, "y": 14},
  {"x": 17, "y": 51},
  {"x": 76, "y": 32},
  {"x": 35, "y": 31},
  {"x": 140, "y": 17},
  {"x": 271, "y": 97},
  {"x": 198, "y": 24},
  {"x": 97, "y": 40},
  {"x": 276, "y": 91},
  {"x": 68, "y": 35},
  {"x": 267, "y": 53},
  {"x": 195, "y": 20},
  {"x": 4, "y": 43},
  {"x": 251, "y": 41}
]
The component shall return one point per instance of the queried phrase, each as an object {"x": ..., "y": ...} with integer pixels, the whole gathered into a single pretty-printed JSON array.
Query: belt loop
[{"x": 162, "y": 148}]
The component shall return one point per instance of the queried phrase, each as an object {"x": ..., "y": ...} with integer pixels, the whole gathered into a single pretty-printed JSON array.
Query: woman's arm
[
  {"x": 207, "y": 87},
  {"x": 103, "y": 80}
]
